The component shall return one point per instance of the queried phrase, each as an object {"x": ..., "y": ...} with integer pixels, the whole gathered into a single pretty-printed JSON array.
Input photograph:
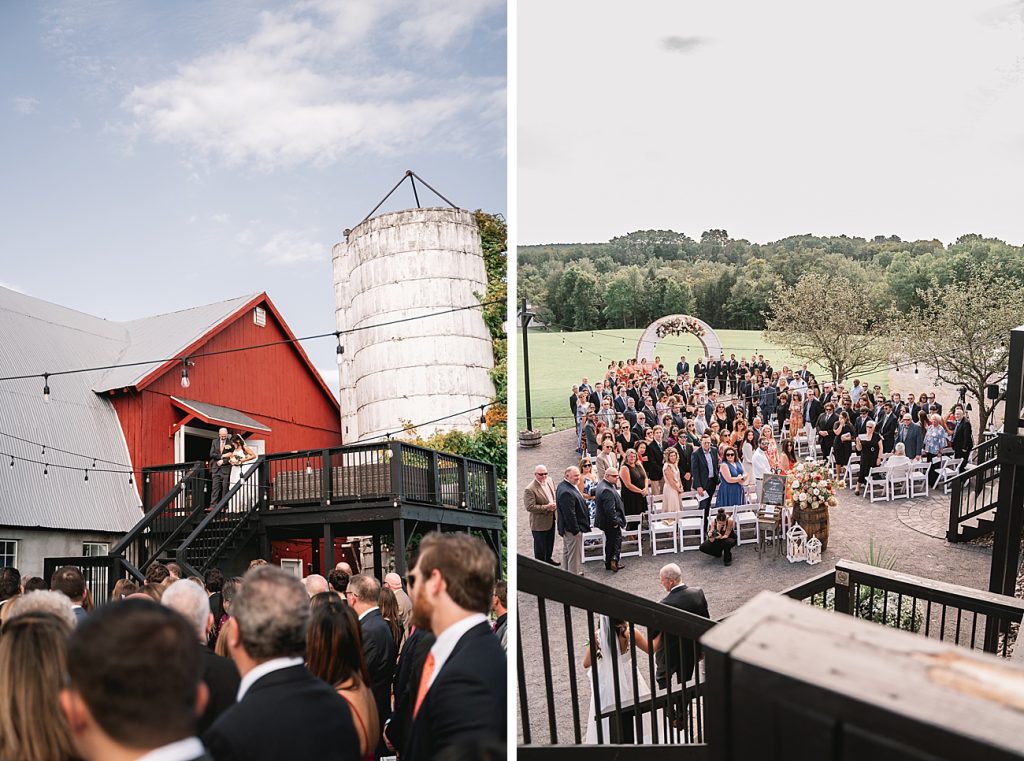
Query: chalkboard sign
[{"x": 773, "y": 490}]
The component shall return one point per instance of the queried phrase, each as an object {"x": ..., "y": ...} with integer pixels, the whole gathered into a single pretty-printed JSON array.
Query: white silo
[{"x": 404, "y": 264}]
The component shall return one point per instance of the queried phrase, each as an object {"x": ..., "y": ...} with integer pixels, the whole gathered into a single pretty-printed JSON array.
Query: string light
[
  {"x": 483, "y": 419},
  {"x": 553, "y": 425},
  {"x": 341, "y": 349},
  {"x": 185, "y": 382},
  {"x": 309, "y": 468},
  {"x": 46, "y": 470},
  {"x": 915, "y": 368},
  {"x": 12, "y": 461},
  {"x": 87, "y": 475},
  {"x": 130, "y": 479},
  {"x": 46, "y": 387}
]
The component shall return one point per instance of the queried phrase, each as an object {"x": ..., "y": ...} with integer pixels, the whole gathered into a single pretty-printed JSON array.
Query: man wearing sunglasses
[
  {"x": 573, "y": 518},
  {"x": 539, "y": 500}
]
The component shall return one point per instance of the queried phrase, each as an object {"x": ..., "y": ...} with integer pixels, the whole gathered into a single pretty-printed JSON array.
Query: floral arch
[{"x": 677, "y": 325}]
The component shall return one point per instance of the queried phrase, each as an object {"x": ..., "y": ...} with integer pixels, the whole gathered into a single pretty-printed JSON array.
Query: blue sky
[{"x": 161, "y": 155}]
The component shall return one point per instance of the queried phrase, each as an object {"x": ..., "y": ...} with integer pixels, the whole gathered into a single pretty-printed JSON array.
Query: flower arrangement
[
  {"x": 812, "y": 487},
  {"x": 679, "y": 326}
]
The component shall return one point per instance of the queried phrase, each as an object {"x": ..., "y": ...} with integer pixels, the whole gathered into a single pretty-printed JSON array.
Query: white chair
[
  {"x": 664, "y": 532},
  {"x": 918, "y": 479},
  {"x": 899, "y": 482},
  {"x": 632, "y": 537},
  {"x": 852, "y": 470},
  {"x": 949, "y": 468},
  {"x": 654, "y": 503},
  {"x": 593, "y": 545},
  {"x": 691, "y": 529},
  {"x": 746, "y": 524},
  {"x": 877, "y": 484}
]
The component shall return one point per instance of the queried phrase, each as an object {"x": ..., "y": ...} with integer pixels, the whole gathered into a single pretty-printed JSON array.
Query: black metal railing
[
  {"x": 382, "y": 471},
  {"x": 558, "y": 619},
  {"x": 227, "y": 523},
  {"x": 101, "y": 573},
  {"x": 948, "y": 612},
  {"x": 974, "y": 493},
  {"x": 182, "y": 496}
]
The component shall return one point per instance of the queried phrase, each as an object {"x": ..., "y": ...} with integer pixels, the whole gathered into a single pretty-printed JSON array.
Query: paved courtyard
[{"x": 914, "y": 530}]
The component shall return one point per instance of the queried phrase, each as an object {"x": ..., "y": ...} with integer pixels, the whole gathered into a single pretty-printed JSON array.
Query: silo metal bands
[{"x": 404, "y": 264}]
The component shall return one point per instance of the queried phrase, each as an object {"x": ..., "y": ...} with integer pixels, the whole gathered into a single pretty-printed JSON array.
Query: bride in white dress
[
  {"x": 607, "y": 631},
  {"x": 240, "y": 460}
]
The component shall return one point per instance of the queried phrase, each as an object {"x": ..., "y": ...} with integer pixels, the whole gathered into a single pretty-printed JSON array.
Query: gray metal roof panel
[
  {"x": 164, "y": 336},
  {"x": 222, "y": 414},
  {"x": 36, "y": 335}
]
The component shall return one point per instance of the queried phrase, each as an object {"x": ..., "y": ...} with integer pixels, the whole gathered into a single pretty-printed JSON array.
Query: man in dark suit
[
  {"x": 621, "y": 400},
  {"x": 219, "y": 674},
  {"x": 220, "y": 468},
  {"x": 133, "y": 684},
  {"x": 732, "y": 368},
  {"x": 682, "y": 366},
  {"x": 700, "y": 371},
  {"x": 573, "y": 520},
  {"x": 711, "y": 372},
  {"x": 887, "y": 425},
  {"x": 669, "y": 661},
  {"x": 610, "y": 518},
  {"x": 963, "y": 437},
  {"x": 825, "y": 427},
  {"x": 379, "y": 647},
  {"x": 460, "y": 695},
  {"x": 69, "y": 581},
  {"x": 812, "y": 411},
  {"x": 704, "y": 467},
  {"x": 723, "y": 373},
  {"x": 911, "y": 436},
  {"x": 656, "y": 460},
  {"x": 768, "y": 402},
  {"x": 283, "y": 711}
]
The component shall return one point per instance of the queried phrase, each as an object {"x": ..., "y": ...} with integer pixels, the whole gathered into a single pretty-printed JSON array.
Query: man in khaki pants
[
  {"x": 573, "y": 520},
  {"x": 539, "y": 500}
]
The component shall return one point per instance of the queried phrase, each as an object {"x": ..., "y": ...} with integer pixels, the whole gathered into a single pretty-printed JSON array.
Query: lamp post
[{"x": 526, "y": 317}]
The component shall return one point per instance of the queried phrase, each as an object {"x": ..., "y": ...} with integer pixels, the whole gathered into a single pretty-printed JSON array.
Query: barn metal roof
[
  {"x": 37, "y": 336},
  {"x": 217, "y": 415}
]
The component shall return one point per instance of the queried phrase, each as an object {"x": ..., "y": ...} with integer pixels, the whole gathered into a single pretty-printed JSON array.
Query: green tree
[
  {"x": 831, "y": 321},
  {"x": 968, "y": 327}
]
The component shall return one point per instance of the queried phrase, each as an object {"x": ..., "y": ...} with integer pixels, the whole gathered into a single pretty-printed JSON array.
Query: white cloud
[
  {"x": 286, "y": 248},
  {"x": 322, "y": 80},
  {"x": 25, "y": 105},
  {"x": 220, "y": 218}
]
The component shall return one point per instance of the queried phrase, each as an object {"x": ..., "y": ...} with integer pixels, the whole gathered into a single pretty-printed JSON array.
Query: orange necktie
[{"x": 428, "y": 671}]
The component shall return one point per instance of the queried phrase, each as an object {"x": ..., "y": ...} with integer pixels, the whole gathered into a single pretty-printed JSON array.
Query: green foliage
[
  {"x": 633, "y": 279},
  {"x": 888, "y": 608}
]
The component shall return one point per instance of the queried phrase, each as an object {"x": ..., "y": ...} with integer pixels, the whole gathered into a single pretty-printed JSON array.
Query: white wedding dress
[{"x": 605, "y": 634}]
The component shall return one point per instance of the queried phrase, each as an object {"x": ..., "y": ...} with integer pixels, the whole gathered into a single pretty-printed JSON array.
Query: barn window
[
  {"x": 259, "y": 316},
  {"x": 8, "y": 553}
]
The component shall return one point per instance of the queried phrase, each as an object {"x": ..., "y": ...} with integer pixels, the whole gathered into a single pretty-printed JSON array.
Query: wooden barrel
[
  {"x": 529, "y": 439},
  {"x": 814, "y": 522}
]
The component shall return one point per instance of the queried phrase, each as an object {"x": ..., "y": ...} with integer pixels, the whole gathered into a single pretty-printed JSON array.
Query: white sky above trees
[{"x": 770, "y": 119}]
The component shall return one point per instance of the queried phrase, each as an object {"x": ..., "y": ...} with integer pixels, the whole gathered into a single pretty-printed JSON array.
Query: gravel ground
[{"x": 910, "y": 528}]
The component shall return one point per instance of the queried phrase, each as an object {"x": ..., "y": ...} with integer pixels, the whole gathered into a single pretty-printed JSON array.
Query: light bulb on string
[
  {"x": 309, "y": 468},
  {"x": 340, "y": 351},
  {"x": 46, "y": 387},
  {"x": 130, "y": 481},
  {"x": 46, "y": 471},
  {"x": 87, "y": 475},
  {"x": 483, "y": 419},
  {"x": 12, "y": 461},
  {"x": 185, "y": 382},
  {"x": 94, "y": 463},
  {"x": 915, "y": 368},
  {"x": 44, "y": 451},
  {"x": 552, "y": 425}
]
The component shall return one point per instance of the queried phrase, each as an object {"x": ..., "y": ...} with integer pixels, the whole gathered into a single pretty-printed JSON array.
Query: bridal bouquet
[{"x": 812, "y": 487}]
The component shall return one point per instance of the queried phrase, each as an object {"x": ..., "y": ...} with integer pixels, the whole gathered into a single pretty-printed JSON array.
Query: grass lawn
[{"x": 555, "y": 367}]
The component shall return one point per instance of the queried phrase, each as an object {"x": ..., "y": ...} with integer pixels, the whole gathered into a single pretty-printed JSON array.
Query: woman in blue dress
[{"x": 730, "y": 477}]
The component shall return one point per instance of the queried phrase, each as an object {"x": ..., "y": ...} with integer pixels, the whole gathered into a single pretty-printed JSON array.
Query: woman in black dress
[
  {"x": 870, "y": 449},
  {"x": 843, "y": 446},
  {"x": 633, "y": 478}
]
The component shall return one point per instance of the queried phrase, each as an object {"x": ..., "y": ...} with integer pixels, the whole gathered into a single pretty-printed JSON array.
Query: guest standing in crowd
[
  {"x": 672, "y": 496},
  {"x": 843, "y": 447},
  {"x": 573, "y": 520},
  {"x": 633, "y": 480},
  {"x": 539, "y": 500},
  {"x": 267, "y": 640},
  {"x": 962, "y": 438},
  {"x": 134, "y": 687},
  {"x": 379, "y": 646},
  {"x": 869, "y": 445},
  {"x": 611, "y": 519},
  {"x": 220, "y": 675},
  {"x": 460, "y": 700},
  {"x": 936, "y": 438},
  {"x": 704, "y": 467},
  {"x": 33, "y": 668},
  {"x": 731, "y": 478},
  {"x": 334, "y": 653}
]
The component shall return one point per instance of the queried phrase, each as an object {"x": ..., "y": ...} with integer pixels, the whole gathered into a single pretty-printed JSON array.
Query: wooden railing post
[
  {"x": 395, "y": 472},
  {"x": 953, "y": 530},
  {"x": 842, "y": 599},
  {"x": 326, "y": 486},
  {"x": 463, "y": 483}
]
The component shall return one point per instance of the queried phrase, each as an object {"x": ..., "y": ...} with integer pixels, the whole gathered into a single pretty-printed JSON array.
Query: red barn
[{"x": 271, "y": 395}]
